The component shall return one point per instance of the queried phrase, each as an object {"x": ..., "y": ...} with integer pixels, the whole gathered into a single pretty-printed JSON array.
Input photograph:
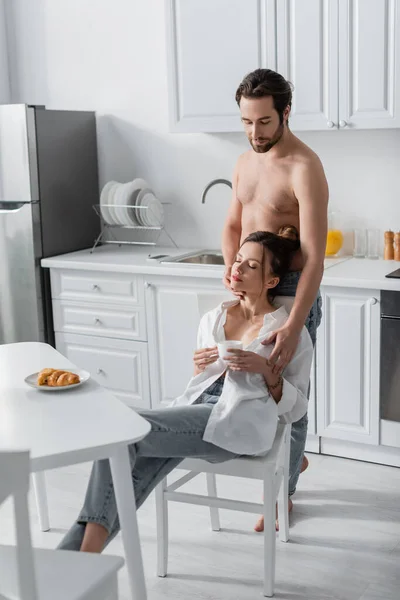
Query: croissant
[
  {"x": 57, "y": 378},
  {"x": 44, "y": 375}
]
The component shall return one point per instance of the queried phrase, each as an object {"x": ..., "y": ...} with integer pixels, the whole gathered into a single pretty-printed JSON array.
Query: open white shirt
[{"x": 245, "y": 418}]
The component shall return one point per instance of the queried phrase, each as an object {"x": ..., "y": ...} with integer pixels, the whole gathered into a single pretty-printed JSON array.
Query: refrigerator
[{"x": 48, "y": 186}]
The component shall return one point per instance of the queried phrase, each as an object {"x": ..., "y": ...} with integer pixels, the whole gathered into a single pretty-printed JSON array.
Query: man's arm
[
  {"x": 311, "y": 190},
  {"x": 232, "y": 230}
]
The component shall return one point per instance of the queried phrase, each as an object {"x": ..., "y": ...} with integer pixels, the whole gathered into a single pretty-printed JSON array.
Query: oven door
[{"x": 390, "y": 369}]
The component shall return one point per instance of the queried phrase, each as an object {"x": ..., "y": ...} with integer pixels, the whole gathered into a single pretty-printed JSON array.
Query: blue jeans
[
  {"x": 176, "y": 433},
  {"x": 288, "y": 287}
]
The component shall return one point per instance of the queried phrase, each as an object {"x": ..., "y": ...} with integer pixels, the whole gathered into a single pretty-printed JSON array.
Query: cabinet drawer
[
  {"x": 67, "y": 284},
  {"x": 118, "y": 365},
  {"x": 100, "y": 319}
]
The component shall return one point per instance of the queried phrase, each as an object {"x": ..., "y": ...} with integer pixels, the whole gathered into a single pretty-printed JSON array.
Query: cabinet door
[
  {"x": 348, "y": 366},
  {"x": 369, "y": 65},
  {"x": 118, "y": 365},
  {"x": 307, "y": 55},
  {"x": 211, "y": 46},
  {"x": 173, "y": 315}
]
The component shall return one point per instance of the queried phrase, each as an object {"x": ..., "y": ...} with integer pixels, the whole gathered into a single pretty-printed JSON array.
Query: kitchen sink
[{"x": 202, "y": 257}]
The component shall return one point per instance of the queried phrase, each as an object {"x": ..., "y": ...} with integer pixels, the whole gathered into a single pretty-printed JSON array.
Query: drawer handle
[
  {"x": 99, "y": 371},
  {"x": 97, "y": 321},
  {"x": 373, "y": 301},
  {"x": 95, "y": 287},
  {"x": 147, "y": 285}
]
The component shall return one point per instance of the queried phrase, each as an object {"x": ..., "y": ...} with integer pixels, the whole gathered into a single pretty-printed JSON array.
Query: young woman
[{"x": 231, "y": 406}]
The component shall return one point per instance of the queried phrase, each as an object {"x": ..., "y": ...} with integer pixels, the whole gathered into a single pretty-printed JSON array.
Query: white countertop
[
  {"x": 363, "y": 273},
  {"x": 342, "y": 271}
]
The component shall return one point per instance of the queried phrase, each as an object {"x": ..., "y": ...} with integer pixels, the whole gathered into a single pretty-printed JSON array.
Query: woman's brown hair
[{"x": 281, "y": 246}]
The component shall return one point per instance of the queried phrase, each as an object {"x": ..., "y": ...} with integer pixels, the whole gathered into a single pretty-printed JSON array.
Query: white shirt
[{"x": 245, "y": 418}]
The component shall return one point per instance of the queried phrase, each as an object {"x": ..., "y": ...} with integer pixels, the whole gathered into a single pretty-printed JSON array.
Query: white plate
[
  {"x": 105, "y": 199},
  {"x": 31, "y": 380},
  {"x": 154, "y": 215},
  {"x": 128, "y": 198},
  {"x": 111, "y": 209},
  {"x": 141, "y": 213},
  {"x": 119, "y": 210}
]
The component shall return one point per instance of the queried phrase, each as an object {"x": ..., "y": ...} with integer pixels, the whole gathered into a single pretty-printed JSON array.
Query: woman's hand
[
  {"x": 204, "y": 357},
  {"x": 250, "y": 362},
  {"x": 242, "y": 360}
]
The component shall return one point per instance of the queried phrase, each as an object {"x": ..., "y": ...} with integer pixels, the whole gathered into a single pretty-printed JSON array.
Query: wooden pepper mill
[
  {"x": 397, "y": 246},
  {"x": 389, "y": 245}
]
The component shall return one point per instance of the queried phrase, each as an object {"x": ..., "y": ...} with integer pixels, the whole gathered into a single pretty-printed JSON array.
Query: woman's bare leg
[
  {"x": 259, "y": 526},
  {"x": 94, "y": 538}
]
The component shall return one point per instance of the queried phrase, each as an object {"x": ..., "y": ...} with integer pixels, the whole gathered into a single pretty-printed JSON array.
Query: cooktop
[{"x": 394, "y": 274}]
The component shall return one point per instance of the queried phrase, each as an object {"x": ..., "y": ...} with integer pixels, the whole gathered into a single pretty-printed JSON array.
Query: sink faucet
[{"x": 211, "y": 184}]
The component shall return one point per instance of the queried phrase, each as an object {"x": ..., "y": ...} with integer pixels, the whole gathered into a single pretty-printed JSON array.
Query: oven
[{"x": 390, "y": 356}]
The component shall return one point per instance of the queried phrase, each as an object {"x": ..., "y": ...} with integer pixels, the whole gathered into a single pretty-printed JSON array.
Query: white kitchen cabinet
[
  {"x": 174, "y": 308},
  {"x": 211, "y": 45},
  {"x": 121, "y": 366},
  {"x": 348, "y": 351},
  {"x": 342, "y": 57},
  {"x": 307, "y": 55},
  {"x": 369, "y": 65}
]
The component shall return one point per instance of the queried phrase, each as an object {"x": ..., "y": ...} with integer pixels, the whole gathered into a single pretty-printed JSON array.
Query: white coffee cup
[{"x": 223, "y": 347}]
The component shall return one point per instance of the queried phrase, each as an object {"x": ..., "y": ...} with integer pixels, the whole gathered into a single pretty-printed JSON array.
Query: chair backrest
[{"x": 14, "y": 481}]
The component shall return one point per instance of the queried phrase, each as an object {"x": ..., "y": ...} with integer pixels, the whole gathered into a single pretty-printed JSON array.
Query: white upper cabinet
[
  {"x": 307, "y": 55},
  {"x": 369, "y": 64},
  {"x": 211, "y": 46},
  {"x": 342, "y": 57}
]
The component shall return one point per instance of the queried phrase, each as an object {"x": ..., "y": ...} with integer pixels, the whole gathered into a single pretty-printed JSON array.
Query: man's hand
[
  {"x": 242, "y": 360},
  {"x": 227, "y": 278},
  {"x": 204, "y": 357},
  {"x": 286, "y": 339}
]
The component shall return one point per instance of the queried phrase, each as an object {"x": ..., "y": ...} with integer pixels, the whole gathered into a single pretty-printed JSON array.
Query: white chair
[
  {"x": 272, "y": 469},
  {"x": 35, "y": 574}
]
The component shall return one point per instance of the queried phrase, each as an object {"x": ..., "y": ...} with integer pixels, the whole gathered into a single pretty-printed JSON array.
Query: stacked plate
[{"x": 131, "y": 204}]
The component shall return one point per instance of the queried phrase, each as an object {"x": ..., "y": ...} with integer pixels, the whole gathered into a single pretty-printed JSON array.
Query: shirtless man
[{"x": 280, "y": 181}]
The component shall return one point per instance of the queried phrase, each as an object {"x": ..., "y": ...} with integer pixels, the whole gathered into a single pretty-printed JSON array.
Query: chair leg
[
  {"x": 212, "y": 491},
  {"x": 269, "y": 536},
  {"x": 283, "y": 497},
  {"x": 39, "y": 486},
  {"x": 162, "y": 528}
]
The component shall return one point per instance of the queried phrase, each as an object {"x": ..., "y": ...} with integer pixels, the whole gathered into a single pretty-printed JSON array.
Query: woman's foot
[{"x": 259, "y": 526}]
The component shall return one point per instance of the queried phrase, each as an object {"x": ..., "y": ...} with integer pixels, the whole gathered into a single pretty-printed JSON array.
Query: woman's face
[{"x": 249, "y": 275}]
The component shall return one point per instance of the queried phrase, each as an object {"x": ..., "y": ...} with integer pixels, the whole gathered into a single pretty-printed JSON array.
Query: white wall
[
  {"x": 4, "y": 75},
  {"x": 109, "y": 56}
]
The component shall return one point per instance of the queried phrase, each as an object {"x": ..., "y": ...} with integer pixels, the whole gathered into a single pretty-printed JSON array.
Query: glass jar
[{"x": 335, "y": 238}]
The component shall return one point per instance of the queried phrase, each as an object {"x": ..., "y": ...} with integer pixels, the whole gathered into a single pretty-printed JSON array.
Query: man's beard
[{"x": 262, "y": 148}]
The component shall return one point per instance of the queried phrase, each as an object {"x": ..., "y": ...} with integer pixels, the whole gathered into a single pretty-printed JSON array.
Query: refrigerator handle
[{"x": 9, "y": 207}]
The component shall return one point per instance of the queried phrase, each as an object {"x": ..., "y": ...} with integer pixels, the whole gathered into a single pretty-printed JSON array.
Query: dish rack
[{"x": 148, "y": 235}]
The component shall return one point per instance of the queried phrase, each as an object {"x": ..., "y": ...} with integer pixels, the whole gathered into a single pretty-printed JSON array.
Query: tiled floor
[{"x": 345, "y": 537}]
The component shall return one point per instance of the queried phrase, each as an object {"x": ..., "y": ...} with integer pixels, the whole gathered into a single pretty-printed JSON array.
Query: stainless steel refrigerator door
[
  {"x": 21, "y": 313},
  {"x": 18, "y": 159}
]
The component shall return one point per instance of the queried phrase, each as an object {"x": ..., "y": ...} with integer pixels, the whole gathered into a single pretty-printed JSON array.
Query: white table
[{"x": 69, "y": 427}]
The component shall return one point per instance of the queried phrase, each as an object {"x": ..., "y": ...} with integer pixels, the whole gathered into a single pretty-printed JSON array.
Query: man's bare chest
[{"x": 271, "y": 192}]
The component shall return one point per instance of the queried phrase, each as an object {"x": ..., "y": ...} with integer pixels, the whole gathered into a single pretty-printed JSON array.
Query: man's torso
[{"x": 265, "y": 189}]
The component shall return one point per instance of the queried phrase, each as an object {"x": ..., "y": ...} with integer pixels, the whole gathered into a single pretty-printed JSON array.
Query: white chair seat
[{"x": 62, "y": 575}]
